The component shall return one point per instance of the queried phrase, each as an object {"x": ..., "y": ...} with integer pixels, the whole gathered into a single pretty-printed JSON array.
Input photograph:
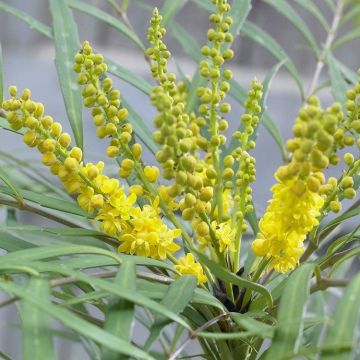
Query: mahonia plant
[{"x": 200, "y": 178}]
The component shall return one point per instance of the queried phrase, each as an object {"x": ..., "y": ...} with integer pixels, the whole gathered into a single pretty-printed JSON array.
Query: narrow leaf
[
  {"x": 285, "y": 8},
  {"x": 12, "y": 187},
  {"x": 48, "y": 201},
  {"x": 178, "y": 296},
  {"x": 32, "y": 22},
  {"x": 77, "y": 324},
  {"x": 338, "y": 84},
  {"x": 344, "y": 322},
  {"x": 255, "y": 33},
  {"x": 169, "y": 9},
  {"x": 119, "y": 317},
  {"x": 36, "y": 327},
  {"x": 350, "y": 15},
  {"x": 311, "y": 7},
  {"x": 290, "y": 315},
  {"x": 108, "y": 19},
  {"x": 66, "y": 46},
  {"x": 140, "y": 128},
  {"x": 226, "y": 275},
  {"x": 129, "y": 76},
  {"x": 350, "y": 36}
]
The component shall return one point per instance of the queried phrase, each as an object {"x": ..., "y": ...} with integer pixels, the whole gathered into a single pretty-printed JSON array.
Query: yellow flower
[
  {"x": 84, "y": 199},
  {"x": 225, "y": 235},
  {"x": 164, "y": 195},
  {"x": 188, "y": 266},
  {"x": 111, "y": 220},
  {"x": 122, "y": 203},
  {"x": 148, "y": 235},
  {"x": 291, "y": 215}
]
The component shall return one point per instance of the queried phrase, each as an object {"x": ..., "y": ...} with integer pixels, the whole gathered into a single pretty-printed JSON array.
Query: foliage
[{"x": 166, "y": 243}]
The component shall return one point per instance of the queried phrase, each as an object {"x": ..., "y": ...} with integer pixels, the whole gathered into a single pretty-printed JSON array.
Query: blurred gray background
[{"x": 28, "y": 62}]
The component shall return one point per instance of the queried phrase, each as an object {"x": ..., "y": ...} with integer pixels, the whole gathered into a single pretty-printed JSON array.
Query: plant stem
[{"x": 329, "y": 40}]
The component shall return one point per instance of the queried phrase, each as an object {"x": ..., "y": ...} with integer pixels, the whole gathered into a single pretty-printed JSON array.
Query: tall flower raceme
[{"x": 302, "y": 195}]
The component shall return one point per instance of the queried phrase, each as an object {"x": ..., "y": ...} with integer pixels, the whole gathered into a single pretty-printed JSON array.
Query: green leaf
[
  {"x": 177, "y": 297},
  {"x": 119, "y": 317},
  {"x": 285, "y": 8},
  {"x": 226, "y": 275},
  {"x": 93, "y": 261},
  {"x": 338, "y": 84},
  {"x": 258, "y": 35},
  {"x": 311, "y": 7},
  {"x": 290, "y": 315},
  {"x": 5, "y": 125},
  {"x": 344, "y": 322},
  {"x": 169, "y": 9},
  {"x": 350, "y": 15},
  {"x": 1, "y": 77},
  {"x": 187, "y": 42},
  {"x": 108, "y": 19},
  {"x": 77, "y": 324},
  {"x": 248, "y": 323},
  {"x": 330, "y": 4},
  {"x": 343, "y": 240},
  {"x": 331, "y": 225},
  {"x": 66, "y": 46},
  {"x": 41, "y": 253},
  {"x": 33, "y": 23},
  {"x": 140, "y": 128},
  {"x": 239, "y": 12},
  {"x": 48, "y": 201},
  {"x": 349, "y": 74},
  {"x": 130, "y": 295},
  {"x": 10, "y": 243},
  {"x": 36, "y": 327},
  {"x": 350, "y": 36},
  {"x": 14, "y": 192},
  {"x": 128, "y": 76}
]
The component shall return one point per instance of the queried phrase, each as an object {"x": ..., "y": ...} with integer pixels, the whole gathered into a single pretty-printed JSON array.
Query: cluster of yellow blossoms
[
  {"x": 302, "y": 196},
  {"x": 140, "y": 231}
]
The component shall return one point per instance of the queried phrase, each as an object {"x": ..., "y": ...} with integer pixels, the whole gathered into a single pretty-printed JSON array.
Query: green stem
[{"x": 264, "y": 262}]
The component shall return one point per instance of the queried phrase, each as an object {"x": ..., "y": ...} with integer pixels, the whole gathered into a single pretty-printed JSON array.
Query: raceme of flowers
[{"x": 203, "y": 178}]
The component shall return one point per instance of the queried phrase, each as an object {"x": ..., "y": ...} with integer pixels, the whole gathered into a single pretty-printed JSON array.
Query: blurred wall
[{"x": 14, "y": 33}]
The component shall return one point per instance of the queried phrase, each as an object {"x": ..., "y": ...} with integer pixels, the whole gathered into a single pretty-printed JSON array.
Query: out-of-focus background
[{"x": 28, "y": 62}]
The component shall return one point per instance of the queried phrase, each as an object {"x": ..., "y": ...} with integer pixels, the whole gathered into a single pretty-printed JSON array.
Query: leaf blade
[
  {"x": 67, "y": 44},
  {"x": 79, "y": 325},
  {"x": 36, "y": 328},
  {"x": 344, "y": 321},
  {"x": 290, "y": 315},
  {"x": 108, "y": 19},
  {"x": 119, "y": 317}
]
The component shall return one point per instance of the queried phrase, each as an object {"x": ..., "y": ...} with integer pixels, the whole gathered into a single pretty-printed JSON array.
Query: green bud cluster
[
  {"x": 43, "y": 133},
  {"x": 176, "y": 131},
  {"x": 246, "y": 166},
  {"x": 104, "y": 101}
]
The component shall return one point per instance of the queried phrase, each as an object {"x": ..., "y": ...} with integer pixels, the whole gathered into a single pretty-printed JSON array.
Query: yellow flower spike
[{"x": 188, "y": 266}]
